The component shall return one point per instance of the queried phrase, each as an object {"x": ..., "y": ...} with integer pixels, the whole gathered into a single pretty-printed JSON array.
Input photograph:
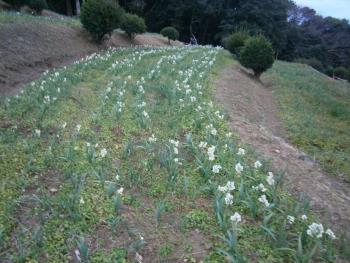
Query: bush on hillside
[
  {"x": 329, "y": 71},
  {"x": 101, "y": 17},
  {"x": 170, "y": 32},
  {"x": 312, "y": 62},
  {"x": 235, "y": 41},
  {"x": 340, "y": 72},
  {"x": 38, "y": 5},
  {"x": 133, "y": 24},
  {"x": 257, "y": 54}
]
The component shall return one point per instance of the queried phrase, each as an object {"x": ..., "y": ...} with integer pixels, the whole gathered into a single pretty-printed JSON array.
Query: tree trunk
[
  {"x": 77, "y": 5},
  {"x": 69, "y": 8}
]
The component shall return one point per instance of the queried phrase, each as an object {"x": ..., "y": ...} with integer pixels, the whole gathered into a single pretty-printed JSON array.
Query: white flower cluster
[
  {"x": 211, "y": 153},
  {"x": 175, "y": 146},
  {"x": 227, "y": 189},
  {"x": 316, "y": 230}
]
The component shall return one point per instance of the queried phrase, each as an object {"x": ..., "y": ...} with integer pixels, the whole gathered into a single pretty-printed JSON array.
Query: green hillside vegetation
[
  {"x": 131, "y": 157},
  {"x": 316, "y": 113},
  {"x": 13, "y": 17}
]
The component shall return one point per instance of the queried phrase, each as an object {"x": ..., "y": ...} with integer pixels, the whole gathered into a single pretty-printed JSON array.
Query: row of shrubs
[
  {"x": 101, "y": 17},
  {"x": 257, "y": 54},
  {"x": 253, "y": 52}
]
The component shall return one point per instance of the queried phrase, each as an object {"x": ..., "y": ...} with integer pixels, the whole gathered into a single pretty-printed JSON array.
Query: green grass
[
  {"x": 14, "y": 17},
  {"x": 316, "y": 113},
  {"x": 60, "y": 196}
]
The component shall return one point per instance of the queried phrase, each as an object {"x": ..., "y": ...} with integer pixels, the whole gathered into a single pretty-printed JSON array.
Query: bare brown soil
[
  {"x": 119, "y": 39},
  {"x": 27, "y": 50},
  {"x": 253, "y": 114}
]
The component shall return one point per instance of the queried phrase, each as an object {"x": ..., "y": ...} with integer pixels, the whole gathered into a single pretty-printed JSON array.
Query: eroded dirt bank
[{"x": 253, "y": 114}]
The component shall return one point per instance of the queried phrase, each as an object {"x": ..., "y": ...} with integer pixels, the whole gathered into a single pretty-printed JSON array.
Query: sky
[{"x": 335, "y": 8}]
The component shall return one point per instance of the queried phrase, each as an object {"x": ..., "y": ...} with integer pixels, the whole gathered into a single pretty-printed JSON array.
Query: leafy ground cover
[
  {"x": 316, "y": 113},
  {"x": 124, "y": 157}
]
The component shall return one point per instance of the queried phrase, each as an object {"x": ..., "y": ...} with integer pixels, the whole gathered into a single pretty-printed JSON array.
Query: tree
[
  {"x": 133, "y": 24},
  {"x": 236, "y": 41},
  {"x": 257, "y": 54},
  {"x": 101, "y": 17},
  {"x": 170, "y": 32},
  {"x": 77, "y": 6}
]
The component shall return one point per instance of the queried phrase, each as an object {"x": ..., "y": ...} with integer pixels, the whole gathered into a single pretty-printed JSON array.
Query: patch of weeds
[
  {"x": 165, "y": 250},
  {"x": 197, "y": 219}
]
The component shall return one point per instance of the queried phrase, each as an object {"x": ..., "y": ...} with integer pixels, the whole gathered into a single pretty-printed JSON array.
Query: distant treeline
[{"x": 296, "y": 33}]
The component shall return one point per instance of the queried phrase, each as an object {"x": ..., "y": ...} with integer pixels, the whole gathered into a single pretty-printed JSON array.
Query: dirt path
[{"x": 253, "y": 114}]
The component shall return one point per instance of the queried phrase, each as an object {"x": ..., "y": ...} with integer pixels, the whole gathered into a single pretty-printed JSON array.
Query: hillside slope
[
  {"x": 255, "y": 115},
  {"x": 315, "y": 110},
  {"x": 29, "y": 49},
  {"x": 31, "y": 45}
]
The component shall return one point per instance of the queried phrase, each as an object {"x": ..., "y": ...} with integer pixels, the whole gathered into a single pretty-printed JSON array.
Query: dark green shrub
[
  {"x": 100, "y": 17},
  {"x": 340, "y": 72},
  {"x": 329, "y": 71},
  {"x": 312, "y": 62},
  {"x": 235, "y": 41},
  {"x": 38, "y": 5},
  {"x": 133, "y": 24},
  {"x": 257, "y": 54},
  {"x": 170, "y": 32}
]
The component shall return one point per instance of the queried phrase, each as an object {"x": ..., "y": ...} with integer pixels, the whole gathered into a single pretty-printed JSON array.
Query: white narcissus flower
[
  {"x": 315, "y": 230},
  {"x": 38, "y": 132},
  {"x": 152, "y": 138},
  {"x": 145, "y": 114},
  {"x": 241, "y": 151},
  {"x": 211, "y": 151},
  {"x": 120, "y": 190},
  {"x": 228, "y": 135},
  {"x": 64, "y": 125},
  {"x": 257, "y": 164},
  {"x": 304, "y": 217},
  {"x": 175, "y": 143},
  {"x": 236, "y": 218},
  {"x": 176, "y": 150},
  {"x": 77, "y": 254},
  {"x": 216, "y": 168},
  {"x": 262, "y": 199},
  {"x": 222, "y": 189},
  {"x": 202, "y": 145},
  {"x": 82, "y": 201},
  {"x": 231, "y": 185},
  {"x": 103, "y": 152},
  {"x": 228, "y": 199},
  {"x": 214, "y": 132},
  {"x": 239, "y": 168},
  {"x": 290, "y": 219},
  {"x": 78, "y": 127},
  {"x": 262, "y": 188},
  {"x": 270, "y": 179},
  {"x": 330, "y": 233}
]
